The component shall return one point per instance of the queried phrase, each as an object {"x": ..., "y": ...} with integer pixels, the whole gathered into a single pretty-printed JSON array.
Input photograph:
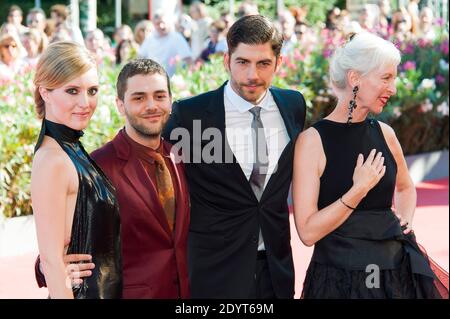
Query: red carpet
[{"x": 431, "y": 225}]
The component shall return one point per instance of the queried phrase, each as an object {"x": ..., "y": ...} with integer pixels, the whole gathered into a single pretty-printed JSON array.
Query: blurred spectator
[
  {"x": 11, "y": 61},
  {"x": 413, "y": 11},
  {"x": 299, "y": 14},
  {"x": 331, "y": 21},
  {"x": 287, "y": 23},
  {"x": 61, "y": 35},
  {"x": 385, "y": 19},
  {"x": 121, "y": 33},
  {"x": 15, "y": 17},
  {"x": 34, "y": 42},
  {"x": 36, "y": 19},
  {"x": 165, "y": 45},
  {"x": 126, "y": 51},
  {"x": 49, "y": 28},
  {"x": 95, "y": 42},
  {"x": 184, "y": 25},
  {"x": 217, "y": 42},
  {"x": 301, "y": 28},
  {"x": 8, "y": 28},
  {"x": 367, "y": 18},
  {"x": 343, "y": 20},
  {"x": 228, "y": 21},
  {"x": 142, "y": 30},
  {"x": 64, "y": 30},
  {"x": 247, "y": 8},
  {"x": 425, "y": 27},
  {"x": 401, "y": 23},
  {"x": 59, "y": 14},
  {"x": 200, "y": 29}
]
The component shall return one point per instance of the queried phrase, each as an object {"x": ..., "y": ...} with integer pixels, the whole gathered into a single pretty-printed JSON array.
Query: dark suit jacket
[
  {"x": 154, "y": 259},
  {"x": 225, "y": 214}
]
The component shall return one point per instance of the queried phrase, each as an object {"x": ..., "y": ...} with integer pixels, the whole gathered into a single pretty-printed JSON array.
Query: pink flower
[
  {"x": 327, "y": 53},
  {"x": 440, "y": 79},
  {"x": 288, "y": 63},
  {"x": 409, "y": 65},
  {"x": 409, "y": 49},
  {"x": 174, "y": 60},
  {"x": 444, "y": 46},
  {"x": 324, "y": 33},
  {"x": 423, "y": 43},
  {"x": 282, "y": 74},
  {"x": 426, "y": 106},
  {"x": 440, "y": 22},
  {"x": 297, "y": 55}
]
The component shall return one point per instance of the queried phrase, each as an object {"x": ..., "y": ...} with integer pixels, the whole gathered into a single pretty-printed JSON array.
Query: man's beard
[
  {"x": 242, "y": 93},
  {"x": 147, "y": 132}
]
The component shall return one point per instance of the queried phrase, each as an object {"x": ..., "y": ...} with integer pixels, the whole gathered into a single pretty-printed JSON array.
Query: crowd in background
[{"x": 194, "y": 36}]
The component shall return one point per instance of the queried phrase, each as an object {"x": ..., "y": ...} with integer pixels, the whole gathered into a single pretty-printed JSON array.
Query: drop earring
[{"x": 352, "y": 105}]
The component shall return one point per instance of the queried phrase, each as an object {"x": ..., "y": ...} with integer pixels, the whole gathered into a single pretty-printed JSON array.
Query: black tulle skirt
[
  {"x": 369, "y": 257},
  {"x": 329, "y": 282}
]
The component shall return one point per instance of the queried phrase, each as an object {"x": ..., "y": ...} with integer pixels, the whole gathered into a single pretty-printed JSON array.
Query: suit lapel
[
  {"x": 216, "y": 118},
  {"x": 291, "y": 127},
  {"x": 286, "y": 114}
]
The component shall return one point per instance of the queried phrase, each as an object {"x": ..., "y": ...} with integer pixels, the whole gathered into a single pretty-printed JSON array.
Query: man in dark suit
[
  {"x": 238, "y": 143},
  {"x": 150, "y": 186}
]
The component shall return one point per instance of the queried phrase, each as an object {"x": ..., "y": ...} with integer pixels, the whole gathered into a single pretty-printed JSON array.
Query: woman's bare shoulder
[
  {"x": 309, "y": 137},
  {"x": 50, "y": 160}
]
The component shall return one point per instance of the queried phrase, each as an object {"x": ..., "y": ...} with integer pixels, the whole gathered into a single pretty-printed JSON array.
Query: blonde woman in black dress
[{"x": 74, "y": 203}]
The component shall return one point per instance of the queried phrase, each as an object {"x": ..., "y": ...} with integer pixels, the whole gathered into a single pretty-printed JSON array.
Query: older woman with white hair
[{"x": 347, "y": 169}]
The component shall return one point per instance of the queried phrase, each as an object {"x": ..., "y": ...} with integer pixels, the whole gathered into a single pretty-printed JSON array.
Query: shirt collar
[
  {"x": 242, "y": 105},
  {"x": 144, "y": 152}
]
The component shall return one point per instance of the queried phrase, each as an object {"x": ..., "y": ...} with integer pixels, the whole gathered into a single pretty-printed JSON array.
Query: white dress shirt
[{"x": 238, "y": 121}]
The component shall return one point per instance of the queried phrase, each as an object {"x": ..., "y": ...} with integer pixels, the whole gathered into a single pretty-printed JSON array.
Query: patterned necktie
[
  {"x": 166, "y": 191},
  {"x": 260, "y": 165}
]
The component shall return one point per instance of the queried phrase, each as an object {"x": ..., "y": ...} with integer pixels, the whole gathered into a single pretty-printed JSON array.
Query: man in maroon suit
[{"x": 151, "y": 189}]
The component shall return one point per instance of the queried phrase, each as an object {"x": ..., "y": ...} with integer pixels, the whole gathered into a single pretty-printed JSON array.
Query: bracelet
[{"x": 349, "y": 207}]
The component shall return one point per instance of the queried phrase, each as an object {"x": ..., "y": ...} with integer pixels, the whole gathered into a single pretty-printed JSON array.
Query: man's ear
[
  {"x": 278, "y": 61},
  {"x": 226, "y": 61},
  {"x": 120, "y": 106}
]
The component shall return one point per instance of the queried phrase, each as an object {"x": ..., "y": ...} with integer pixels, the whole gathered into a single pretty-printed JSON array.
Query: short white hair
[{"x": 364, "y": 53}]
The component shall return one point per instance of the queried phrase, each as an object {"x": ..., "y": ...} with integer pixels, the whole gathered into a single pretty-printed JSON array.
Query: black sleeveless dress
[
  {"x": 368, "y": 256},
  {"x": 96, "y": 221}
]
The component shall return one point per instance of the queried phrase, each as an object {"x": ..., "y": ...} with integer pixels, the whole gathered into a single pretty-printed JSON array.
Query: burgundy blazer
[{"x": 154, "y": 259}]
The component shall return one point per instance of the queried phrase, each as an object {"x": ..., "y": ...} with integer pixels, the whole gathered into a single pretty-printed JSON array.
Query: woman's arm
[
  {"x": 405, "y": 196},
  {"x": 50, "y": 184},
  {"x": 309, "y": 163}
]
